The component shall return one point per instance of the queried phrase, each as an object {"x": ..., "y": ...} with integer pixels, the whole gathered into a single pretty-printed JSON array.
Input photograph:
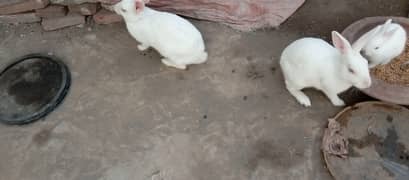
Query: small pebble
[{"x": 273, "y": 69}]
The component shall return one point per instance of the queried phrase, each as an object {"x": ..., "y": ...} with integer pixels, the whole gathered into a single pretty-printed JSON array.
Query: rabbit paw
[
  {"x": 300, "y": 96},
  {"x": 338, "y": 102},
  {"x": 304, "y": 100},
  {"x": 335, "y": 100},
  {"x": 169, "y": 63},
  {"x": 142, "y": 47}
]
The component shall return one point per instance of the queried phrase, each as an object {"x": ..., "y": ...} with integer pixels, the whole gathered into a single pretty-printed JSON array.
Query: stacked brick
[
  {"x": 55, "y": 14},
  {"x": 245, "y": 15}
]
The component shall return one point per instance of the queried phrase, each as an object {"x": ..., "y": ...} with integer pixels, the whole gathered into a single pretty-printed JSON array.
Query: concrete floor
[{"x": 127, "y": 117}]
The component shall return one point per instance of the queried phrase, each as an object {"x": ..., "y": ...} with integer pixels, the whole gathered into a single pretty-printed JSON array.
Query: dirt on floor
[{"x": 129, "y": 117}]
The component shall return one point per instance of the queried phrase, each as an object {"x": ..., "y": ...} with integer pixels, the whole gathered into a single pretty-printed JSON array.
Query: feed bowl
[{"x": 388, "y": 92}]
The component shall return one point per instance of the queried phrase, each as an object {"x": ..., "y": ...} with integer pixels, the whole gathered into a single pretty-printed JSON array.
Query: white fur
[
  {"x": 386, "y": 45},
  {"x": 175, "y": 38},
  {"x": 312, "y": 62}
]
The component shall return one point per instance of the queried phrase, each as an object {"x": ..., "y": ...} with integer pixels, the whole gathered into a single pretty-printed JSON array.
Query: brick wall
[
  {"x": 245, "y": 15},
  {"x": 55, "y": 14}
]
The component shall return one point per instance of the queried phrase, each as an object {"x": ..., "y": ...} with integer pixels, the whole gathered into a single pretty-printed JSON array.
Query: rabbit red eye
[{"x": 351, "y": 70}]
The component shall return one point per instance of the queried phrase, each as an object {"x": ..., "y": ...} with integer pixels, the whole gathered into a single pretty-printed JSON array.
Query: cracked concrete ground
[{"x": 129, "y": 117}]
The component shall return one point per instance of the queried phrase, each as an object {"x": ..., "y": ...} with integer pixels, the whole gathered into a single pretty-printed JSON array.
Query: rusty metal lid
[
  {"x": 32, "y": 87},
  {"x": 378, "y": 143}
]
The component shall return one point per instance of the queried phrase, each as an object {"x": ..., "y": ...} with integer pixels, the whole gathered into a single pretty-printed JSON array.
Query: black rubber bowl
[{"x": 31, "y": 88}]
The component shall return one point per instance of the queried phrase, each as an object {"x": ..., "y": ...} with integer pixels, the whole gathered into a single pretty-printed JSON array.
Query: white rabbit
[
  {"x": 386, "y": 45},
  {"x": 175, "y": 38},
  {"x": 312, "y": 62}
]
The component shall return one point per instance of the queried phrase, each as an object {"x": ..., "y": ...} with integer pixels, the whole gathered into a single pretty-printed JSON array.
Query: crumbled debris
[{"x": 333, "y": 141}]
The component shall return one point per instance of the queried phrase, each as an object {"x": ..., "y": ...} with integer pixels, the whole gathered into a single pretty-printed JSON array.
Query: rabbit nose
[{"x": 365, "y": 55}]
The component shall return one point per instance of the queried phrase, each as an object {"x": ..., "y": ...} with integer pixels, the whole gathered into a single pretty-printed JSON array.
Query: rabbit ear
[
  {"x": 389, "y": 34},
  {"x": 364, "y": 39},
  {"x": 340, "y": 43},
  {"x": 139, "y": 5},
  {"x": 386, "y": 25}
]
